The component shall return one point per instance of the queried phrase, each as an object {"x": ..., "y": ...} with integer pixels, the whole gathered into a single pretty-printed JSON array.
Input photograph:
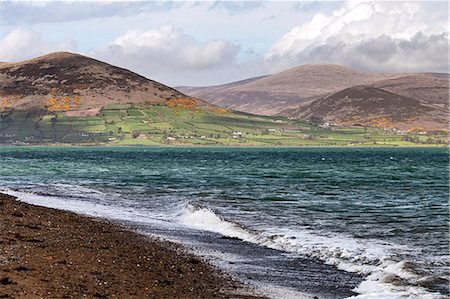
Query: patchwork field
[{"x": 128, "y": 124}]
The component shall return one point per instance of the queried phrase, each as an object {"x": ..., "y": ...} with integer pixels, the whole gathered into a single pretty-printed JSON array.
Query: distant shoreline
[
  {"x": 227, "y": 146},
  {"x": 52, "y": 253}
]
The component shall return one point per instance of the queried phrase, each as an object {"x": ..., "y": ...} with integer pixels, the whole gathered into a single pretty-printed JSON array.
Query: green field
[{"x": 160, "y": 125}]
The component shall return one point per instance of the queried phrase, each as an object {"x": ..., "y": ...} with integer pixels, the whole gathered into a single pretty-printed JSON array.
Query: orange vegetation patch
[
  {"x": 381, "y": 122},
  {"x": 220, "y": 110},
  {"x": 187, "y": 103},
  {"x": 5, "y": 103},
  {"x": 416, "y": 130},
  {"x": 62, "y": 103}
]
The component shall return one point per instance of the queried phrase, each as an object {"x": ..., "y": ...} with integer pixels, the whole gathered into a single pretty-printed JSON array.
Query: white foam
[
  {"x": 370, "y": 289},
  {"x": 206, "y": 219},
  {"x": 335, "y": 249},
  {"x": 88, "y": 208},
  {"x": 367, "y": 257}
]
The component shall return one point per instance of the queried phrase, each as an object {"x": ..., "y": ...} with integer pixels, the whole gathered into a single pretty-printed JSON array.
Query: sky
[{"x": 201, "y": 43}]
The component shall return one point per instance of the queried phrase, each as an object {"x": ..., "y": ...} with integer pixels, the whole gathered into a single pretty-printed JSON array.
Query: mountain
[
  {"x": 269, "y": 95},
  {"x": 65, "y": 98},
  {"x": 65, "y": 79},
  {"x": 368, "y": 105},
  {"x": 308, "y": 91}
]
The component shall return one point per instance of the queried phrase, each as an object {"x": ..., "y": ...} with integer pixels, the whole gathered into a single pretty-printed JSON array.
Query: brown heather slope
[
  {"x": 293, "y": 93},
  {"x": 368, "y": 105},
  {"x": 271, "y": 94},
  {"x": 32, "y": 83},
  {"x": 430, "y": 88}
]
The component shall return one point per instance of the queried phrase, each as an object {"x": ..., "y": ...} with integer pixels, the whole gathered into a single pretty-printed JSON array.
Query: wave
[{"x": 386, "y": 277}]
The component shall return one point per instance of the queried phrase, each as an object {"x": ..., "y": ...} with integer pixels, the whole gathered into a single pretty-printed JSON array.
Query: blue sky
[{"x": 213, "y": 42}]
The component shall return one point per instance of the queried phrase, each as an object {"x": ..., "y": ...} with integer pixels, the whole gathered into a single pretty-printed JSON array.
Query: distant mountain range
[
  {"x": 65, "y": 98},
  {"x": 340, "y": 95}
]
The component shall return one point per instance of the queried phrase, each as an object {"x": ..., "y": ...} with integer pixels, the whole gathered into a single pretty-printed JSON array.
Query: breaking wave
[{"x": 386, "y": 277}]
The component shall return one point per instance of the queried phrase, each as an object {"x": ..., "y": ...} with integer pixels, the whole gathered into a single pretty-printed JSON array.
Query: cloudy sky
[{"x": 213, "y": 42}]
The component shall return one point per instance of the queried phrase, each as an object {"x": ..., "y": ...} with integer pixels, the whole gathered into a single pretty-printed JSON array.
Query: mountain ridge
[
  {"x": 270, "y": 94},
  {"x": 66, "y": 98},
  {"x": 290, "y": 92}
]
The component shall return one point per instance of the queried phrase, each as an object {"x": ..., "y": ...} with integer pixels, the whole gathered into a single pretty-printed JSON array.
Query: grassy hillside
[{"x": 136, "y": 124}]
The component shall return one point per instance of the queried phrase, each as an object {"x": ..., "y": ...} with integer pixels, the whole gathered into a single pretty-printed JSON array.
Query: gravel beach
[{"x": 48, "y": 253}]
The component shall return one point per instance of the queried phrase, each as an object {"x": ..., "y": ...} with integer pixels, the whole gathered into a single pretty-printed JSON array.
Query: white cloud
[
  {"x": 383, "y": 36},
  {"x": 20, "y": 44},
  {"x": 376, "y": 36},
  {"x": 167, "y": 52},
  {"x": 171, "y": 47}
]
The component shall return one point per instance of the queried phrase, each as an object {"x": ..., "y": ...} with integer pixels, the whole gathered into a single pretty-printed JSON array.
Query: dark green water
[{"x": 379, "y": 212}]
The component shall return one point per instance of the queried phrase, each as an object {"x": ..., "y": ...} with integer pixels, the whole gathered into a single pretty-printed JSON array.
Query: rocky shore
[{"x": 48, "y": 253}]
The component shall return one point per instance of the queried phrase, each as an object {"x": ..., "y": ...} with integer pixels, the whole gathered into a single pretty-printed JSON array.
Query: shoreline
[
  {"x": 105, "y": 145},
  {"x": 47, "y": 252}
]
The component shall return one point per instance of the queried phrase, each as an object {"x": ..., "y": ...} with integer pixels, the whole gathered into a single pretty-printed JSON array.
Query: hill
[
  {"x": 368, "y": 105},
  {"x": 292, "y": 93},
  {"x": 70, "y": 81},
  {"x": 269, "y": 95},
  {"x": 65, "y": 98}
]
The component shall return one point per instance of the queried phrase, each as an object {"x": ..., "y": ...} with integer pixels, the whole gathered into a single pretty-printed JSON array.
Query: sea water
[{"x": 292, "y": 222}]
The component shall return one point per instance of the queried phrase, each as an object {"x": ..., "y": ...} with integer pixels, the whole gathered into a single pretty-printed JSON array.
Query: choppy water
[{"x": 380, "y": 215}]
